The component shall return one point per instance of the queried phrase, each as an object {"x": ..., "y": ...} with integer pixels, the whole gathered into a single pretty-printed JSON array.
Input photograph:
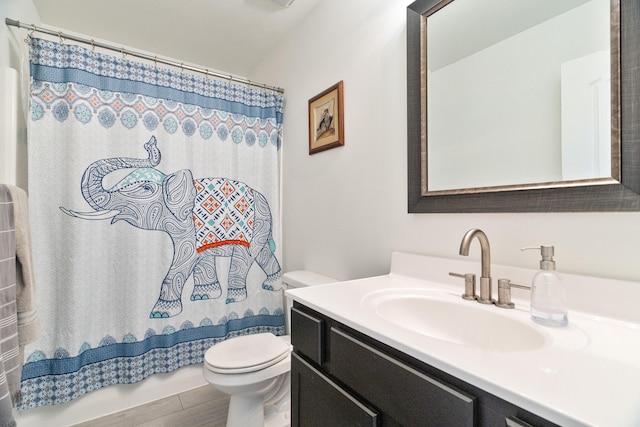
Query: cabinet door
[
  {"x": 316, "y": 401},
  {"x": 307, "y": 333},
  {"x": 408, "y": 396}
]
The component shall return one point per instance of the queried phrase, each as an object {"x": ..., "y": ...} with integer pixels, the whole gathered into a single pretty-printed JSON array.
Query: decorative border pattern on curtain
[{"x": 178, "y": 176}]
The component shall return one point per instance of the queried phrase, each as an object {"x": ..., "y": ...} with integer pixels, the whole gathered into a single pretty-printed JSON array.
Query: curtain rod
[{"x": 155, "y": 59}]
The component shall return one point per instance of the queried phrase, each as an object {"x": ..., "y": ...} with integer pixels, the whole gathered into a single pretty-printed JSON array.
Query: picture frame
[{"x": 326, "y": 119}]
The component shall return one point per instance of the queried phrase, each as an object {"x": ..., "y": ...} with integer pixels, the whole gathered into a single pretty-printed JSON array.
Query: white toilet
[{"x": 254, "y": 369}]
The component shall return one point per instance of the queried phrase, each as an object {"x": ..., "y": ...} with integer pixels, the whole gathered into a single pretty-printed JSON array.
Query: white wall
[
  {"x": 11, "y": 40},
  {"x": 13, "y": 54},
  {"x": 345, "y": 209}
]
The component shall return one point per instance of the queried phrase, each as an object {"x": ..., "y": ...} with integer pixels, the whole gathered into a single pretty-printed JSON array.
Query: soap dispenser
[{"x": 548, "y": 300}]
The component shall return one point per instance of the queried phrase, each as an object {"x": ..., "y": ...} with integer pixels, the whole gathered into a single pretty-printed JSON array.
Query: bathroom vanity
[
  {"x": 342, "y": 377},
  {"x": 405, "y": 349}
]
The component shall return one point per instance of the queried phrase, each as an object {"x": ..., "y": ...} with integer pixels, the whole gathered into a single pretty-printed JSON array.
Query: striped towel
[{"x": 9, "y": 353}]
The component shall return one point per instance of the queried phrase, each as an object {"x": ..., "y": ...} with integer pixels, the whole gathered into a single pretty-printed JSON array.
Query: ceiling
[{"x": 230, "y": 36}]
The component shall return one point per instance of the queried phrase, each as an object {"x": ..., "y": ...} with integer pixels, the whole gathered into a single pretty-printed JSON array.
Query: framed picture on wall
[{"x": 326, "y": 120}]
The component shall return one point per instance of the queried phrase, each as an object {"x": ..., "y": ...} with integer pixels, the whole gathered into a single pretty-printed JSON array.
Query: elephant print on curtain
[
  {"x": 206, "y": 218},
  {"x": 187, "y": 253}
]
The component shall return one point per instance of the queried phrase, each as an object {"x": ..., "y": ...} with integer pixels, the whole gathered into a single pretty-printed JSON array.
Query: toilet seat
[{"x": 248, "y": 353}]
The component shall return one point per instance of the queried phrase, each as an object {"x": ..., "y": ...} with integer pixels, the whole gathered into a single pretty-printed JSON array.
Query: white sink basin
[{"x": 446, "y": 317}]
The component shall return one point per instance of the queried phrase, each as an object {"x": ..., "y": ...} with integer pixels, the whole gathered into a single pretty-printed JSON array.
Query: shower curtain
[{"x": 155, "y": 209}]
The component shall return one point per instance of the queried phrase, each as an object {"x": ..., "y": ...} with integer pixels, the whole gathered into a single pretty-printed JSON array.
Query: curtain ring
[
  {"x": 60, "y": 37},
  {"x": 205, "y": 82},
  {"x": 182, "y": 67},
  {"x": 30, "y": 33},
  {"x": 93, "y": 45},
  {"x": 155, "y": 61}
]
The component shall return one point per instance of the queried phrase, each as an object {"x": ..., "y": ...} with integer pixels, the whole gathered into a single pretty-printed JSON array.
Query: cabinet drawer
[
  {"x": 407, "y": 395},
  {"x": 318, "y": 401},
  {"x": 307, "y": 335}
]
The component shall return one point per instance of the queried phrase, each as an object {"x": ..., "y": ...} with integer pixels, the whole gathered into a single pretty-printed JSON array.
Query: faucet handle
[
  {"x": 469, "y": 285},
  {"x": 504, "y": 292}
]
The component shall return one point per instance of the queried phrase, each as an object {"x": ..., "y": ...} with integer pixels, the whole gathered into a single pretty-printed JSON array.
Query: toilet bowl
[
  {"x": 257, "y": 381},
  {"x": 255, "y": 369}
]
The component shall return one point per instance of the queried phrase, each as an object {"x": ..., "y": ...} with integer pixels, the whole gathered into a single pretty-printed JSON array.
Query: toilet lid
[{"x": 246, "y": 353}]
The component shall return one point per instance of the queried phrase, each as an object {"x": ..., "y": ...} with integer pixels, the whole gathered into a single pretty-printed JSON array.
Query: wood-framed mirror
[{"x": 617, "y": 190}]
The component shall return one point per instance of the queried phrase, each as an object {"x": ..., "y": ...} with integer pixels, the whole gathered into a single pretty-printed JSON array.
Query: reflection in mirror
[
  {"x": 518, "y": 93},
  {"x": 513, "y": 110}
]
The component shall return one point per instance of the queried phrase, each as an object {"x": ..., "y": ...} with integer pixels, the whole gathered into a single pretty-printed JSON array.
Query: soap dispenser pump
[{"x": 548, "y": 299}]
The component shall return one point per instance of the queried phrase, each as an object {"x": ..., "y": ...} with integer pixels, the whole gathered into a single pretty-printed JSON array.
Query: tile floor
[{"x": 203, "y": 406}]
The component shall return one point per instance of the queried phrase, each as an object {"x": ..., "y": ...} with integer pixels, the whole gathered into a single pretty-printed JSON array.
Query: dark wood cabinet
[
  {"x": 402, "y": 392},
  {"x": 318, "y": 401},
  {"x": 340, "y": 377}
]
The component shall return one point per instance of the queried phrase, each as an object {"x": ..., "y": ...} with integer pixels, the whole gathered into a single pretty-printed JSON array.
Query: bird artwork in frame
[{"x": 326, "y": 119}]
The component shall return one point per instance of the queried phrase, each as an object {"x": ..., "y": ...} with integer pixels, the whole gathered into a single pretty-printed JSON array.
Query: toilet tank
[{"x": 300, "y": 279}]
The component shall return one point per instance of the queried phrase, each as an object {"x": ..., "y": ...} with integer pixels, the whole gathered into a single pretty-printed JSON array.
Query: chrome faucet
[{"x": 485, "y": 279}]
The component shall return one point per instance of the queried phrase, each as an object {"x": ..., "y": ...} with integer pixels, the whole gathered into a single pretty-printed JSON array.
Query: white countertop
[{"x": 586, "y": 374}]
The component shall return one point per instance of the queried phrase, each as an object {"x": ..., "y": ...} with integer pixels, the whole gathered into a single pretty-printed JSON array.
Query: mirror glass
[{"x": 518, "y": 95}]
